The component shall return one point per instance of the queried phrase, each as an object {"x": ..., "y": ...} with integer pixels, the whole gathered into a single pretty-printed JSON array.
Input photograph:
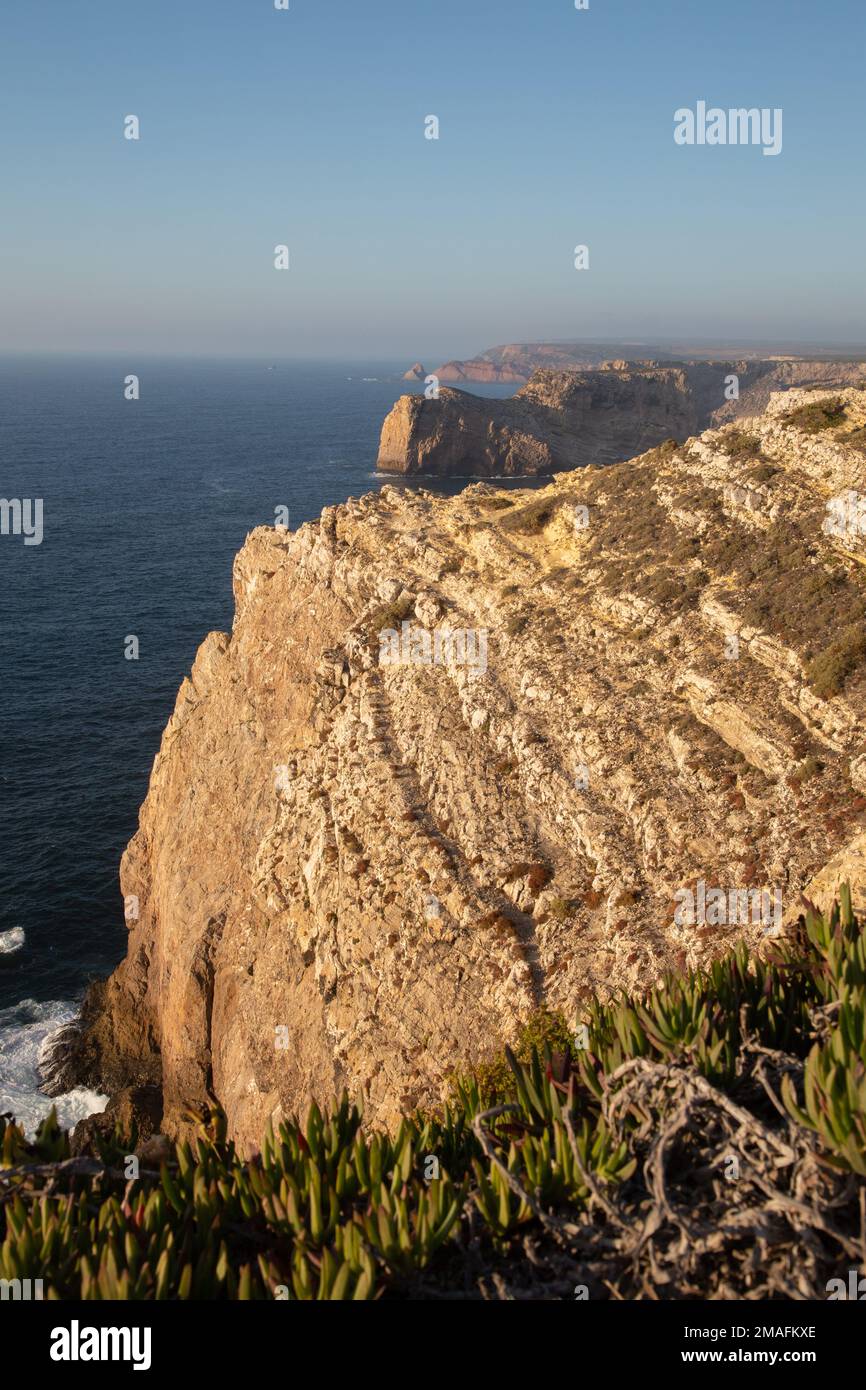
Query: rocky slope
[
  {"x": 365, "y": 874},
  {"x": 565, "y": 419}
]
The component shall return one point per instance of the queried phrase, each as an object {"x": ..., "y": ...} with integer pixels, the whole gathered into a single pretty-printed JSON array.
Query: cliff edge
[{"x": 460, "y": 758}]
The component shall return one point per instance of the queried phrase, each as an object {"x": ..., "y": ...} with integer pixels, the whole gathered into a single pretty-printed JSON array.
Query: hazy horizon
[
  {"x": 397, "y": 361},
  {"x": 307, "y": 128}
]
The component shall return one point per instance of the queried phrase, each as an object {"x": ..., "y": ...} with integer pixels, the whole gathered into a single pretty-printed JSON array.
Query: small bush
[
  {"x": 533, "y": 518},
  {"x": 828, "y": 672},
  {"x": 762, "y": 473},
  {"x": 663, "y": 450},
  {"x": 817, "y": 417},
  {"x": 390, "y": 615},
  {"x": 496, "y": 504},
  {"x": 539, "y": 877},
  {"x": 560, "y": 909},
  {"x": 807, "y": 769},
  {"x": 741, "y": 446}
]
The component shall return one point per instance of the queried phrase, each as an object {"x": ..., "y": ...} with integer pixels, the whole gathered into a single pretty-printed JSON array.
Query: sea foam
[{"x": 24, "y": 1030}]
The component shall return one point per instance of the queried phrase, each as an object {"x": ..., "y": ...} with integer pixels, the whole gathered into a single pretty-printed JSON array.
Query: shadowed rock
[{"x": 568, "y": 419}]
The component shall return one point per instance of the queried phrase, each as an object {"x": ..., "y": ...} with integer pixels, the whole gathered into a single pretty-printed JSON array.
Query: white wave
[
  {"x": 24, "y": 1029},
  {"x": 11, "y": 940}
]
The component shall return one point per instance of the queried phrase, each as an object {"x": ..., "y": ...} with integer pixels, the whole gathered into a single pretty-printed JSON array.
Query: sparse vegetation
[
  {"x": 762, "y": 473},
  {"x": 390, "y": 615},
  {"x": 782, "y": 582},
  {"x": 806, "y": 770},
  {"x": 741, "y": 446},
  {"x": 538, "y": 875},
  {"x": 560, "y": 909},
  {"x": 497, "y": 503},
  {"x": 603, "y": 1141},
  {"x": 663, "y": 451},
  {"x": 799, "y": 598},
  {"x": 829, "y": 670},
  {"x": 532, "y": 518},
  {"x": 817, "y": 416}
]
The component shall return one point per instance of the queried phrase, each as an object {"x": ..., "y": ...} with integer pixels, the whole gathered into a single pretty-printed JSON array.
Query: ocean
[{"x": 144, "y": 506}]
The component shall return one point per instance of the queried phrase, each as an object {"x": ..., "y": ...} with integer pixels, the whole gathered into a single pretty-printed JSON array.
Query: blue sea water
[{"x": 145, "y": 504}]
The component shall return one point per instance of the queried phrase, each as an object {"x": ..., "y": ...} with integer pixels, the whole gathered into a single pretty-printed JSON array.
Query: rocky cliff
[
  {"x": 559, "y": 420},
  {"x": 564, "y": 419},
  {"x": 517, "y": 362},
  {"x": 460, "y": 758},
  {"x": 480, "y": 370}
]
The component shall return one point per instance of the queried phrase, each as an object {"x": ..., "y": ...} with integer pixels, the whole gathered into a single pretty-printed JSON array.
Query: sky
[{"x": 305, "y": 127}]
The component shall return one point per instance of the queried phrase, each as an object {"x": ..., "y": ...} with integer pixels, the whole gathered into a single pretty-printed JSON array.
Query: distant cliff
[
  {"x": 516, "y": 362},
  {"x": 482, "y": 371},
  {"x": 559, "y": 420},
  {"x": 567, "y": 419},
  {"x": 365, "y": 872}
]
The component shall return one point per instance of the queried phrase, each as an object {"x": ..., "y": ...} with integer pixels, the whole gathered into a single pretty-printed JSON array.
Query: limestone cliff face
[
  {"x": 559, "y": 420},
  {"x": 565, "y": 419},
  {"x": 365, "y": 874}
]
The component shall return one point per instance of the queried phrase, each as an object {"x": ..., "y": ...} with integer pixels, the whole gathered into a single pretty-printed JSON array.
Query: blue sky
[{"x": 306, "y": 127}]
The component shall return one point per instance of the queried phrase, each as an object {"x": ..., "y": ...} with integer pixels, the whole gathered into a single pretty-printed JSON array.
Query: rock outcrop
[
  {"x": 415, "y": 372},
  {"x": 564, "y": 420},
  {"x": 363, "y": 861}
]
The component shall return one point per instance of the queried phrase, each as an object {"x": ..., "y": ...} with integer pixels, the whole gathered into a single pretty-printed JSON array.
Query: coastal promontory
[{"x": 460, "y": 759}]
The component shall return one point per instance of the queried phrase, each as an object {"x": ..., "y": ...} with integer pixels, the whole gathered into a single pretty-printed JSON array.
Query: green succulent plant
[{"x": 329, "y": 1210}]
